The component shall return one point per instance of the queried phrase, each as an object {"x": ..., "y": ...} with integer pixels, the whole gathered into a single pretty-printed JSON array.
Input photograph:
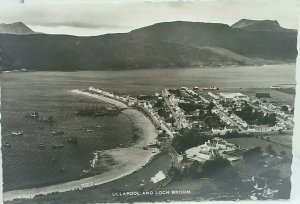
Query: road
[
  {"x": 157, "y": 123},
  {"x": 224, "y": 114},
  {"x": 167, "y": 101},
  {"x": 232, "y": 121}
]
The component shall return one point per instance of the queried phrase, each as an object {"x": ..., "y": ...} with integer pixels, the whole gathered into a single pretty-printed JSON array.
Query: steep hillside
[
  {"x": 173, "y": 44},
  {"x": 18, "y": 28},
  {"x": 256, "y": 25}
]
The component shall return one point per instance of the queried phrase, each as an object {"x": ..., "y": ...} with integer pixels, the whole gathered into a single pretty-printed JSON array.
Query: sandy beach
[{"x": 127, "y": 160}]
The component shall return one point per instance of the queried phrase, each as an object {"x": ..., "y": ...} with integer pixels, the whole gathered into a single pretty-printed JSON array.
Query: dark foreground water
[{"x": 25, "y": 164}]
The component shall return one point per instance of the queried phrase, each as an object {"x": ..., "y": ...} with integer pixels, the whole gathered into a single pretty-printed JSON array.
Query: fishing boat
[
  {"x": 17, "y": 133},
  {"x": 41, "y": 145},
  {"x": 57, "y": 146},
  {"x": 6, "y": 144},
  {"x": 73, "y": 140},
  {"x": 34, "y": 114},
  {"x": 58, "y": 132}
]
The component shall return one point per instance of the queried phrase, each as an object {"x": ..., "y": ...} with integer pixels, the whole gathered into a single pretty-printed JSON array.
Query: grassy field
[
  {"x": 249, "y": 143},
  {"x": 273, "y": 162},
  {"x": 290, "y": 91}
]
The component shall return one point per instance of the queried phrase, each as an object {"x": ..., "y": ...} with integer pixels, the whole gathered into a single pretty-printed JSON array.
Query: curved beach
[{"x": 127, "y": 160}]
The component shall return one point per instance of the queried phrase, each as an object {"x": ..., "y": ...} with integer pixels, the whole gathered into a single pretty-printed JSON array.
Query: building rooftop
[{"x": 231, "y": 95}]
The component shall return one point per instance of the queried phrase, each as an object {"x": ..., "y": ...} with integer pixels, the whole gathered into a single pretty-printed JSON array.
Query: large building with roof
[{"x": 228, "y": 96}]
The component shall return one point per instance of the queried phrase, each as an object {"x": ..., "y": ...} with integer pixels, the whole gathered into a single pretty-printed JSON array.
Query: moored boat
[
  {"x": 17, "y": 133},
  {"x": 73, "y": 140},
  {"x": 57, "y": 146},
  {"x": 34, "y": 114},
  {"x": 58, "y": 132}
]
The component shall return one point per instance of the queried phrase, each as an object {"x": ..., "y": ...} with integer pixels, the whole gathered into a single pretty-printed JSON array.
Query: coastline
[
  {"x": 3, "y": 70},
  {"x": 128, "y": 160}
]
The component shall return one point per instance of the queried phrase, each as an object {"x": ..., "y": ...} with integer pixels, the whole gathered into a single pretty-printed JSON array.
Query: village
[
  {"x": 215, "y": 113},
  {"x": 195, "y": 123}
]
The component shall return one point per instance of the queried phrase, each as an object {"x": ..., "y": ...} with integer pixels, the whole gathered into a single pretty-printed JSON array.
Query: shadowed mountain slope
[{"x": 171, "y": 44}]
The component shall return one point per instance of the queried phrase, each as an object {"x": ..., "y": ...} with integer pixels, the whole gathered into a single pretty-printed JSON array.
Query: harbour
[{"x": 39, "y": 82}]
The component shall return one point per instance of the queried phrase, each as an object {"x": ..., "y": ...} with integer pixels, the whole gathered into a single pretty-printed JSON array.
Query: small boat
[
  {"x": 6, "y": 144},
  {"x": 57, "y": 146},
  {"x": 34, "y": 114},
  {"x": 41, "y": 145},
  {"x": 62, "y": 169},
  {"x": 73, "y": 140},
  {"x": 99, "y": 126},
  {"x": 58, "y": 132},
  {"x": 90, "y": 130},
  {"x": 17, "y": 133},
  {"x": 48, "y": 119}
]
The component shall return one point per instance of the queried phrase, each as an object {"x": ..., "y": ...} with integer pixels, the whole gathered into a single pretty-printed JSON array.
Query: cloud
[
  {"x": 77, "y": 24},
  {"x": 97, "y": 18}
]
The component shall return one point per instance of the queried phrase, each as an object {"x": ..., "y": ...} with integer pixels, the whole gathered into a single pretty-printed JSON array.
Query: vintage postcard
[{"x": 109, "y": 101}]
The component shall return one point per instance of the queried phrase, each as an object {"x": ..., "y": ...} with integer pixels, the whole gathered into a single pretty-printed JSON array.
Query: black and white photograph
[{"x": 128, "y": 101}]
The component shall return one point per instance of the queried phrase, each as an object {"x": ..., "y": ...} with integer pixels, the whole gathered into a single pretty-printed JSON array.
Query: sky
[{"x": 95, "y": 17}]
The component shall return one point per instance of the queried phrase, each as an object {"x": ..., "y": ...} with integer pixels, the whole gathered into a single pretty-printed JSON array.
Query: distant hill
[
  {"x": 18, "y": 28},
  {"x": 256, "y": 25},
  {"x": 162, "y": 45}
]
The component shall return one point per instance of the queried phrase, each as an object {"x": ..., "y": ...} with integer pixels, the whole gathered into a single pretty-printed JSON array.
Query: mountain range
[
  {"x": 17, "y": 28},
  {"x": 162, "y": 45}
]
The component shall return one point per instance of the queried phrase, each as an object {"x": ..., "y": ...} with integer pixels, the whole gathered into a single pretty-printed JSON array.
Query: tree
[
  {"x": 211, "y": 166},
  {"x": 210, "y": 106},
  {"x": 284, "y": 108},
  {"x": 188, "y": 138}
]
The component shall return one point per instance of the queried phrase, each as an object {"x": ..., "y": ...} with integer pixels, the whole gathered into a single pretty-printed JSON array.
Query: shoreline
[
  {"x": 152, "y": 68},
  {"x": 128, "y": 160}
]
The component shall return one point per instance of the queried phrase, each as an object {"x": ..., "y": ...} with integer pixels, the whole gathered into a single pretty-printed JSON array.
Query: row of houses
[
  {"x": 219, "y": 131},
  {"x": 129, "y": 100},
  {"x": 167, "y": 127},
  {"x": 177, "y": 112},
  {"x": 266, "y": 128},
  {"x": 232, "y": 120},
  {"x": 189, "y": 91}
]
